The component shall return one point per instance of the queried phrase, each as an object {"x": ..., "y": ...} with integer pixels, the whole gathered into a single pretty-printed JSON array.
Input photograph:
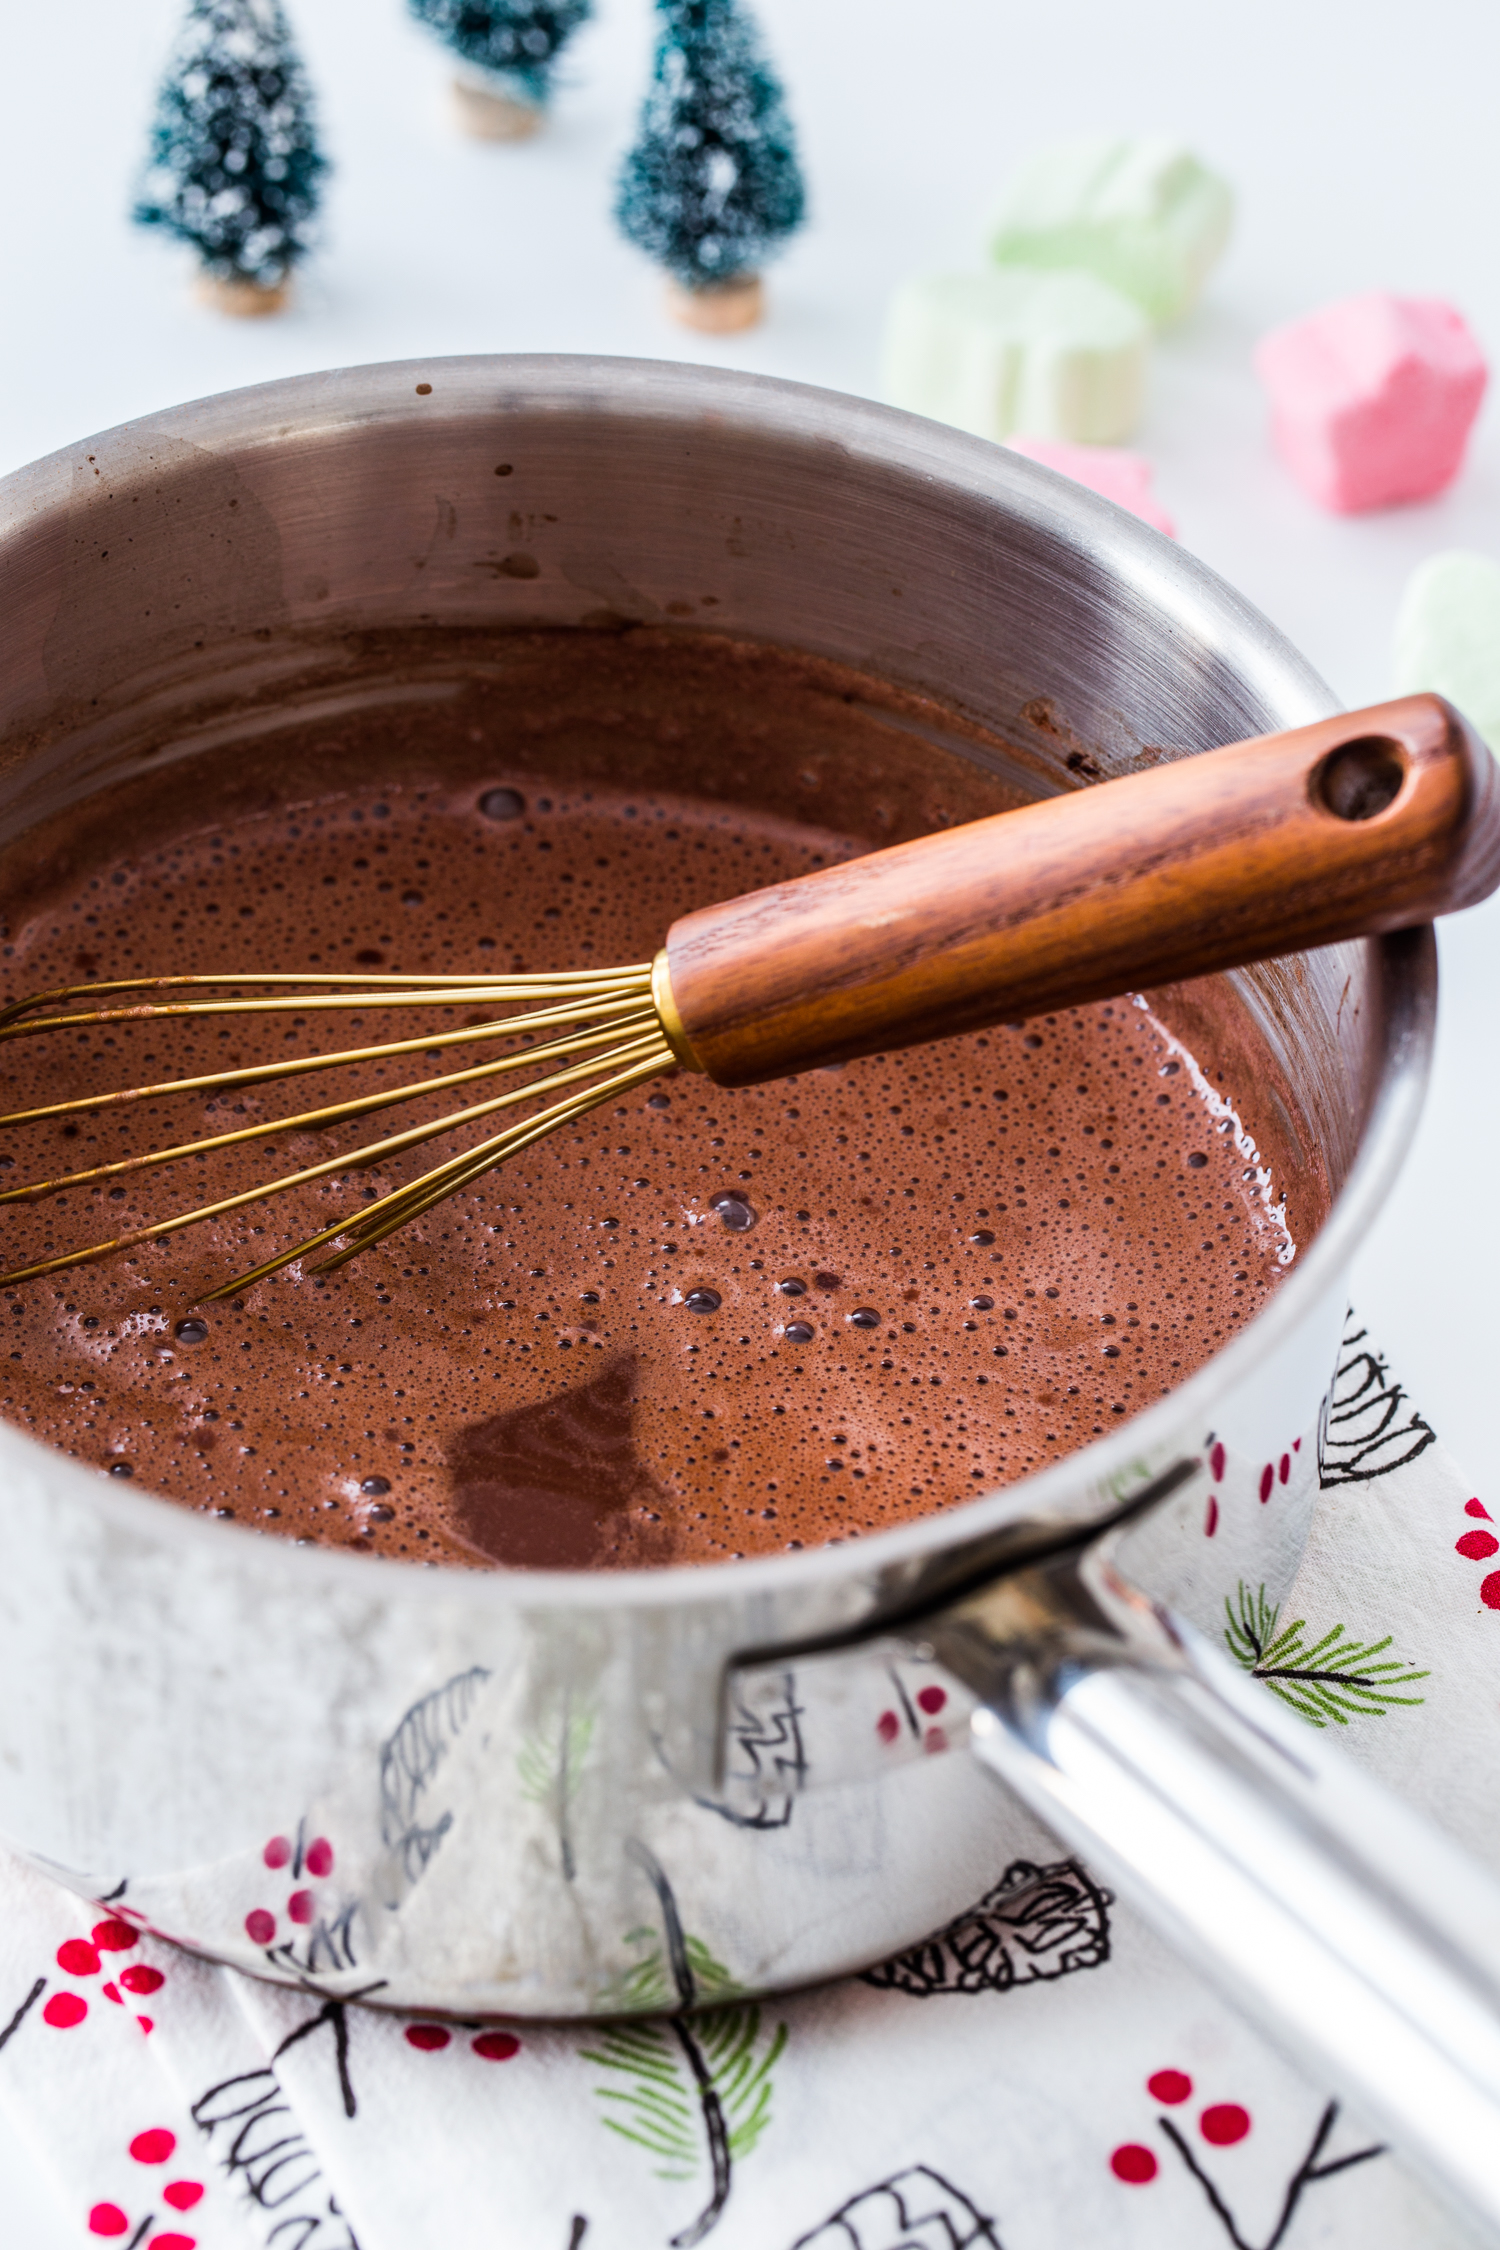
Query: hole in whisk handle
[{"x": 1360, "y": 779}]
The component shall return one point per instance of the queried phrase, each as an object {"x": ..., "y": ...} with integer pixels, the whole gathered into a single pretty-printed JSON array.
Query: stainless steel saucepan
[{"x": 489, "y": 1780}]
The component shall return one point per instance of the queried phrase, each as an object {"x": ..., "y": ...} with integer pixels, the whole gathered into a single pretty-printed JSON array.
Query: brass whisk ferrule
[{"x": 674, "y": 1031}]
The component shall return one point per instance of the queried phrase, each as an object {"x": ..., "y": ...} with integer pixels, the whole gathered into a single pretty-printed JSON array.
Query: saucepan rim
[{"x": 1185, "y": 593}]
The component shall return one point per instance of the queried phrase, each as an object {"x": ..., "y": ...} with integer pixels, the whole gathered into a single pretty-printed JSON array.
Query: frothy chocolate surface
[{"x": 698, "y": 1323}]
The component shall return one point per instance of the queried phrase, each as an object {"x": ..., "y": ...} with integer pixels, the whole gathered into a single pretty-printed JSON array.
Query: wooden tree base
[
  {"x": 247, "y": 300},
  {"x": 718, "y": 312},
  {"x": 487, "y": 116}
]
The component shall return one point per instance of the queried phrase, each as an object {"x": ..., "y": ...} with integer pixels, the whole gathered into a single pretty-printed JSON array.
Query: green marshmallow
[
  {"x": 1143, "y": 215},
  {"x": 1448, "y": 636},
  {"x": 1048, "y": 355}
]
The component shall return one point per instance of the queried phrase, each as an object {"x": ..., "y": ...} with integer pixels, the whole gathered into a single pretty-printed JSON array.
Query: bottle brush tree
[
  {"x": 234, "y": 166},
  {"x": 711, "y": 188},
  {"x": 507, "y": 51}
]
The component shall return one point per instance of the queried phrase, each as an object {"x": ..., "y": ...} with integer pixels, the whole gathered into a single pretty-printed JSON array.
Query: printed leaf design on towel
[
  {"x": 254, "y": 2134},
  {"x": 1366, "y": 1426},
  {"x": 913, "y": 2210},
  {"x": 1037, "y": 1923},
  {"x": 1224, "y": 2124},
  {"x": 409, "y": 1761},
  {"x": 549, "y": 1764},
  {"x": 687, "y": 2090},
  {"x": 1336, "y": 1678},
  {"x": 767, "y": 1762}
]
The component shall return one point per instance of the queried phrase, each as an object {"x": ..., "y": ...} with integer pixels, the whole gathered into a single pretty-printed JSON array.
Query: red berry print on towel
[
  {"x": 1217, "y": 1458},
  {"x": 496, "y": 2046},
  {"x": 916, "y": 1706},
  {"x": 1135, "y": 2165},
  {"x": 327, "y": 1940},
  {"x": 80, "y": 1957},
  {"x": 1478, "y": 1546},
  {"x": 1223, "y": 2125},
  {"x": 1267, "y": 1479},
  {"x": 154, "y": 2146},
  {"x": 428, "y": 2037}
]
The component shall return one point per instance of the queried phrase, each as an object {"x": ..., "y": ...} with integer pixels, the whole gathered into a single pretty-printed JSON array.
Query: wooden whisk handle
[{"x": 1373, "y": 821}]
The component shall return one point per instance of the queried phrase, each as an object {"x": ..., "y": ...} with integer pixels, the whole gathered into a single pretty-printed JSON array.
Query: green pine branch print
[
  {"x": 1333, "y": 1679},
  {"x": 543, "y": 1759},
  {"x": 549, "y": 1764},
  {"x": 689, "y": 2091}
]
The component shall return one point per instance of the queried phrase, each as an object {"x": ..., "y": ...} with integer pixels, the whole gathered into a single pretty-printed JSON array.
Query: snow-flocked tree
[
  {"x": 711, "y": 188},
  {"x": 234, "y": 166},
  {"x": 507, "y": 51}
]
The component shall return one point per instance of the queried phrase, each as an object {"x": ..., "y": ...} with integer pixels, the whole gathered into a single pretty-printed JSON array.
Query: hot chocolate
[{"x": 697, "y": 1324}]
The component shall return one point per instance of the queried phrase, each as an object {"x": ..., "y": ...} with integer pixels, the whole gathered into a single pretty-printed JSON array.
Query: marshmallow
[
  {"x": 1122, "y": 477},
  {"x": 1056, "y": 354},
  {"x": 1448, "y": 636},
  {"x": 1372, "y": 399},
  {"x": 1143, "y": 215}
]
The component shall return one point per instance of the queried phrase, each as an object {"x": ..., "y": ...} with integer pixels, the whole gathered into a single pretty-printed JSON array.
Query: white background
[{"x": 1361, "y": 139}]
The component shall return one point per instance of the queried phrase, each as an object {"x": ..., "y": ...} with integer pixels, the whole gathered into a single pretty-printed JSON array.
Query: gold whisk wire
[{"x": 609, "y": 1019}]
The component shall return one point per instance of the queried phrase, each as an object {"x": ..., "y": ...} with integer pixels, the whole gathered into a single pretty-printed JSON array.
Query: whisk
[{"x": 1367, "y": 823}]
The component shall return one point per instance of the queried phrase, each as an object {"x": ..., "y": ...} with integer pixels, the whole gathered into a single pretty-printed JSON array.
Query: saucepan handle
[{"x": 1344, "y": 1924}]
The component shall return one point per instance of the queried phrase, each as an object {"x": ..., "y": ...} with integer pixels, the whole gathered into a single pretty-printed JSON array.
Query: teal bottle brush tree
[
  {"x": 234, "y": 165},
  {"x": 711, "y": 189},
  {"x": 506, "y": 51}
]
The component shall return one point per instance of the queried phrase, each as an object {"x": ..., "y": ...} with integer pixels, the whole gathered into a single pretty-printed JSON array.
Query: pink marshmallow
[
  {"x": 1372, "y": 399},
  {"x": 1108, "y": 470}
]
